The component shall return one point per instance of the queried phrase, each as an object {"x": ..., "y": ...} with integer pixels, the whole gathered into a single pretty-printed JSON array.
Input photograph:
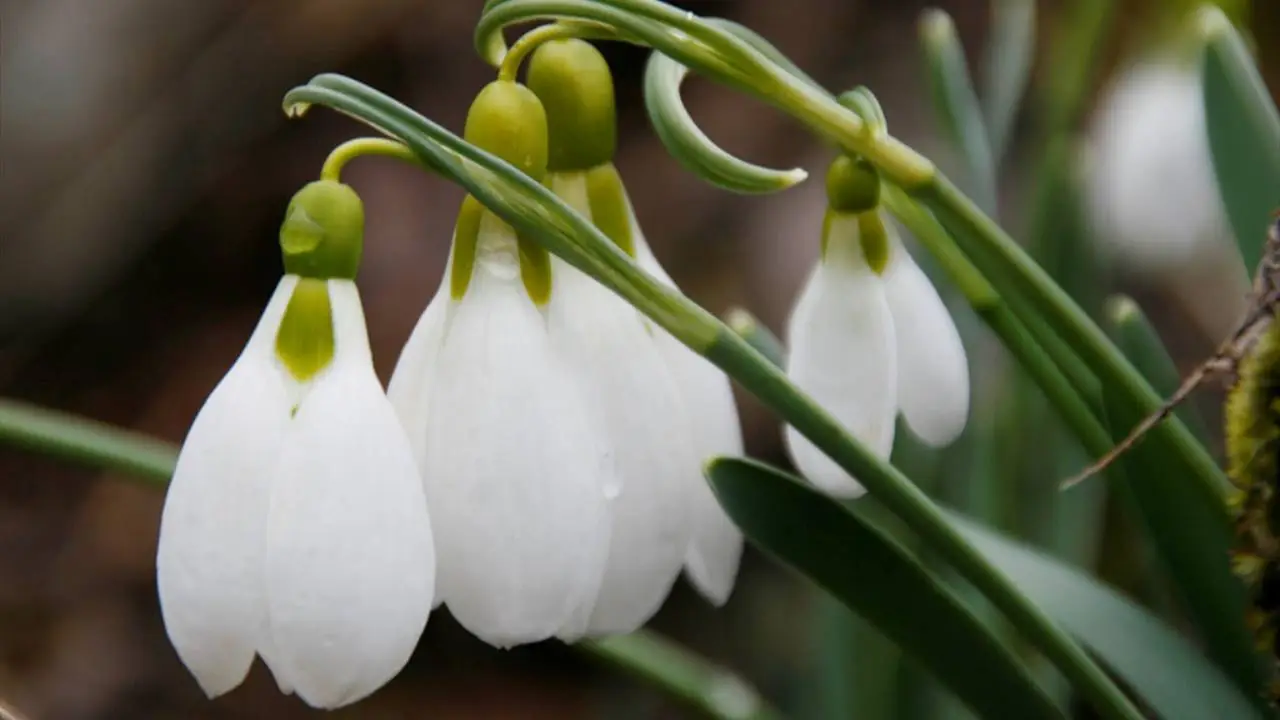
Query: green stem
[
  {"x": 86, "y": 442},
  {"x": 960, "y": 214}
]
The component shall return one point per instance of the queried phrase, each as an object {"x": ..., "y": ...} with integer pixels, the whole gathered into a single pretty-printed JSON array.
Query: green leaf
[
  {"x": 1244, "y": 134},
  {"x": 1189, "y": 538},
  {"x": 713, "y": 692},
  {"x": 1008, "y": 66},
  {"x": 842, "y": 549},
  {"x": 957, "y": 103},
  {"x": 1170, "y": 674},
  {"x": 877, "y": 578}
]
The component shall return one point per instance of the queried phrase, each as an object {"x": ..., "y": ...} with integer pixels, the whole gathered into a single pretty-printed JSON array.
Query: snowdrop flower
[
  {"x": 666, "y": 408},
  {"x": 869, "y": 336},
  {"x": 1150, "y": 153},
  {"x": 517, "y": 474},
  {"x": 295, "y": 526}
]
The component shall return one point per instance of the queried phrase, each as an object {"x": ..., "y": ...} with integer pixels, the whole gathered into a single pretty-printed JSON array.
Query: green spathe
[
  {"x": 323, "y": 232},
  {"x": 304, "y": 342},
  {"x": 507, "y": 120},
  {"x": 572, "y": 80}
]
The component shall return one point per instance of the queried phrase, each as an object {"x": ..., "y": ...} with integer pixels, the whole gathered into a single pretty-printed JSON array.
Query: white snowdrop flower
[
  {"x": 295, "y": 526},
  {"x": 515, "y": 468},
  {"x": 1149, "y": 152},
  {"x": 667, "y": 409},
  {"x": 869, "y": 336}
]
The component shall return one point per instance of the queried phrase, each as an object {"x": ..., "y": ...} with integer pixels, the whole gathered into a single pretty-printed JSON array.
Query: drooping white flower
[
  {"x": 614, "y": 353},
  {"x": 715, "y": 546},
  {"x": 869, "y": 336},
  {"x": 574, "y": 82},
  {"x": 1150, "y": 154},
  {"x": 295, "y": 526},
  {"x": 843, "y": 352},
  {"x": 517, "y": 470}
]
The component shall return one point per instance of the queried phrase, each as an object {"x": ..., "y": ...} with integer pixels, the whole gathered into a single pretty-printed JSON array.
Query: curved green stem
[{"x": 352, "y": 149}]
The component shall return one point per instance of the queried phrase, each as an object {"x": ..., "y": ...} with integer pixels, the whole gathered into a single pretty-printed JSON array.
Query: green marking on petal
[
  {"x": 874, "y": 239},
  {"x": 466, "y": 233},
  {"x": 607, "y": 199},
  {"x": 535, "y": 270},
  {"x": 304, "y": 342}
]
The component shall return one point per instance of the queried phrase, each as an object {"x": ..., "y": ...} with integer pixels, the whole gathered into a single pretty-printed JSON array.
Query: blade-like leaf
[
  {"x": 851, "y": 557},
  {"x": 956, "y": 103},
  {"x": 877, "y": 578},
  {"x": 1190, "y": 542},
  {"x": 1168, "y": 672},
  {"x": 1244, "y": 134},
  {"x": 1007, "y": 67}
]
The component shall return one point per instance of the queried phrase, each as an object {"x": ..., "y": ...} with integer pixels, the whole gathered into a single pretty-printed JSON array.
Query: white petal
[
  {"x": 639, "y": 406},
  {"x": 409, "y": 389},
  {"x": 209, "y": 559},
  {"x": 513, "y": 465},
  {"x": 715, "y": 547},
  {"x": 933, "y": 372},
  {"x": 350, "y": 563},
  {"x": 842, "y": 352},
  {"x": 1150, "y": 153}
]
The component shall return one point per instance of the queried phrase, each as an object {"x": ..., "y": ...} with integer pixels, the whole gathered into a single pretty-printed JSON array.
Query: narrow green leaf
[
  {"x": 824, "y": 540},
  {"x": 1244, "y": 134},
  {"x": 713, "y": 692},
  {"x": 956, "y": 103},
  {"x": 876, "y": 577},
  {"x": 1170, "y": 674},
  {"x": 1008, "y": 66},
  {"x": 1191, "y": 543}
]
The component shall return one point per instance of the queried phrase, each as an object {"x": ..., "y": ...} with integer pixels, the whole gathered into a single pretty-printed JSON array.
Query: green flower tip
[
  {"x": 1121, "y": 309},
  {"x": 507, "y": 120},
  {"x": 936, "y": 27},
  {"x": 1212, "y": 23},
  {"x": 573, "y": 81},
  {"x": 853, "y": 185},
  {"x": 323, "y": 231}
]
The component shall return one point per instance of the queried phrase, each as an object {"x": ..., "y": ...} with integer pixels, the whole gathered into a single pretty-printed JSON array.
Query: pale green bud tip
[
  {"x": 323, "y": 231},
  {"x": 573, "y": 81},
  {"x": 507, "y": 120},
  {"x": 852, "y": 185},
  {"x": 1121, "y": 309}
]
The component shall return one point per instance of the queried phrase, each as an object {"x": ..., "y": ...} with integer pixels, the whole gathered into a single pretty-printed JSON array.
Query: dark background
[{"x": 145, "y": 168}]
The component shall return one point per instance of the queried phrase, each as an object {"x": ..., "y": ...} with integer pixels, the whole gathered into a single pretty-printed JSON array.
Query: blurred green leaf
[
  {"x": 1244, "y": 134},
  {"x": 713, "y": 692},
  {"x": 876, "y": 577},
  {"x": 1008, "y": 66},
  {"x": 956, "y": 103},
  {"x": 1168, "y": 672},
  {"x": 1190, "y": 540}
]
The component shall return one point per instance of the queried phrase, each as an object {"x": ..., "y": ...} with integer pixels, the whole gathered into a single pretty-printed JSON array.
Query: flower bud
[
  {"x": 507, "y": 120},
  {"x": 573, "y": 81},
  {"x": 852, "y": 185},
  {"x": 323, "y": 232}
]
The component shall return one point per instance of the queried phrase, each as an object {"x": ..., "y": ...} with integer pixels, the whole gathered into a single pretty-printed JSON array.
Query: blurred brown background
[{"x": 146, "y": 165}]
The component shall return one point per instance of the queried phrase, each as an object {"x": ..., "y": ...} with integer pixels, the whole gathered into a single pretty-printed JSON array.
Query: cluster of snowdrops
[{"x": 535, "y": 463}]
